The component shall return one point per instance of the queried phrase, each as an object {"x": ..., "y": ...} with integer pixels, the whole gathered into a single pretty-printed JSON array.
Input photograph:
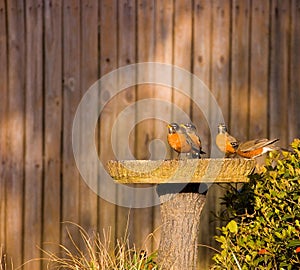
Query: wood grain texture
[
  {"x": 202, "y": 43},
  {"x": 3, "y": 119},
  {"x": 89, "y": 75},
  {"x": 52, "y": 125},
  {"x": 279, "y": 70},
  {"x": 15, "y": 131},
  {"x": 221, "y": 56},
  {"x": 182, "y": 53},
  {"x": 71, "y": 98},
  {"x": 259, "y": 69},
  {"x": 34, "y": 134},
  {"x": 108, "y": 61},
  {"x": 239, "y": 106},
  {"x": 294, "y": 87}
]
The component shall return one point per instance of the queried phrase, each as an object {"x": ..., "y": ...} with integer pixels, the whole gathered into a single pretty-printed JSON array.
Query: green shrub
[{"x": 264, "y": 232}]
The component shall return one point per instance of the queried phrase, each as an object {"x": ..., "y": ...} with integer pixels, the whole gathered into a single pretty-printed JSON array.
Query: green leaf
[
  {"x": 294, "y": 243},
  {"x": 232, "y": 226}
]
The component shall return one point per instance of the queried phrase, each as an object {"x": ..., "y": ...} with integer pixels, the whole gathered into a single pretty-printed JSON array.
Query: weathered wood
[
  {"x": 202, "y": 64},
  {"x": 279, "y": 70},
  {"x": 180, "y": 217},
  {"x": 3, "y": 116},
  {"x": 294, "y": 96},
  {"x": 259, "y": 57},
  {"x": 220, "y": 57},
  {"x": 89, "y": 75},
  {"x": 108, "y": 61},
  {"x": 181, "y": 171},
  {"x": 52, "y": 125},
  {"x": 34, "y": 134},
  {"x": 182, "y": 53},
  {"x": 71, "y": 99},
  {"x": 239, "y": 109},
  {"x": 15, "y": 131}
]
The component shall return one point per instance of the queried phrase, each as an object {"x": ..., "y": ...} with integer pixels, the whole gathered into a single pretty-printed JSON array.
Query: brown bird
[
  {"x": 190, "y": 131},
  {"x": 178, "y": 140},
  {"x": 225, "y": 142},
  {"x": 256, "y": 148}
]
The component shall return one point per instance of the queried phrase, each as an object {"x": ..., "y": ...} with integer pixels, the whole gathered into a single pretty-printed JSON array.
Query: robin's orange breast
[
  {"x": 224, "y": 144},
  {"x": 250, "y": 154},
  {"x": 229, "y": 148},
  {"x": 178, "y": 143}
]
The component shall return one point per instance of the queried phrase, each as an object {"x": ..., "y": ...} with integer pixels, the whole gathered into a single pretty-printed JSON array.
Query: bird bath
[{"x": 179, "y": 188}]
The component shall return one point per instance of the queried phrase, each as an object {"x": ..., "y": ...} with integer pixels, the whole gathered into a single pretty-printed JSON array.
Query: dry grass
[
  {"x": 94, "y": 253},
  {"x": 97, "y": 253},
  {"x": 3, "y": 261}
]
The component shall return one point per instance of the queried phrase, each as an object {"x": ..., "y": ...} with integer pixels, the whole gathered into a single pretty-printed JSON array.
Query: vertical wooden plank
[
  {"x": 202, "y": 62},
  {"x": 52, "y": 125},
  {"x": 202, "y": 68},
  {"x": 3, "y": 117},
  {"x": 279, "y": 68},
  {"x": 34, "y": 133},
  {"x": 15, "y": 131},
  {"x": 294, "y": 91},
  {"x": 89, "y": 75},
  {"x": 163, "y": 54},
  {"x": 239, "y": 106},
  {"x": 220, "y": 87},
  {"x": 126, "y": 55},
  {"x": 145, "y": 129},
  {"x": 71, "y": 98},
  {"x": 221, "y": 55},
  {"x": 108, "y": 62},
  {"x": 259, "y": 58},
  {"x": 182, "y": 52}
]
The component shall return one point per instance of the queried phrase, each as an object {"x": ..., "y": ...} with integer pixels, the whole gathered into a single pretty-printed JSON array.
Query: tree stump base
[{"x": 180, "y": 216}]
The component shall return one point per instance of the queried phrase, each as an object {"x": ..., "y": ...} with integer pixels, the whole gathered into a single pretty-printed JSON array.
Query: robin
[
  {"x": 190, "y": 131},
  {"x": 225, "y": 142},
  {"x": 178, "y": 140},
  {"x": 256, "y": 148}
]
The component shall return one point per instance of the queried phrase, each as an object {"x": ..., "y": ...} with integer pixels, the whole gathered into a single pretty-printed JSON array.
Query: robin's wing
[
  {"x": 196, "y": 143},
  {"x": 255, "y": 144}
]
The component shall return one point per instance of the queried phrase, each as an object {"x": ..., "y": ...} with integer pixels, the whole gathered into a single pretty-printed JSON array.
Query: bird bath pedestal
[{"x": 182, "y": 186}]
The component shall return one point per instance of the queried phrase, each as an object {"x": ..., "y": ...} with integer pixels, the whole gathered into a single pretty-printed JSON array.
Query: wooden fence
[{"x": 52, "y": 51}]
